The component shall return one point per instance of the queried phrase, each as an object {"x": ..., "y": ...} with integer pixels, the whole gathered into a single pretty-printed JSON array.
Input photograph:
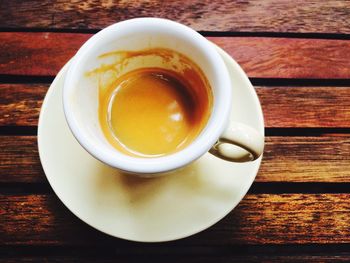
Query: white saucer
[{"x": 148, "y": 210}]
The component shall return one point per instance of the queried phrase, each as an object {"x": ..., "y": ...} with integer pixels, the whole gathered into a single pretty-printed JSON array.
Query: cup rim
[{"x": 155, "y": 165}]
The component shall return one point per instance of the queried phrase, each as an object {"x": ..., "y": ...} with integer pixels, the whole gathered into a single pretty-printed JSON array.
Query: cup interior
[{"x": 80, "y": 94}]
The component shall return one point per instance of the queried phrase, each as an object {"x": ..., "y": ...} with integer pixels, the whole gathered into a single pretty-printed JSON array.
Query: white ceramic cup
[{"x": 80, "y": 96}]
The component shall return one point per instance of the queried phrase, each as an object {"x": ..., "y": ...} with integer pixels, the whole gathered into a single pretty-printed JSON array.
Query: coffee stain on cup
[{"x": 138, "y": 91}]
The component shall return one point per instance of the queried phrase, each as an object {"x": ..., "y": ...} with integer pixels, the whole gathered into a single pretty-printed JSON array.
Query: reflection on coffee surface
[{"x": 152, "y": 102}]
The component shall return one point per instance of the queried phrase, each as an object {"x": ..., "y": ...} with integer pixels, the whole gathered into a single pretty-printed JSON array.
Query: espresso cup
[{"x": 219, "y": 136}]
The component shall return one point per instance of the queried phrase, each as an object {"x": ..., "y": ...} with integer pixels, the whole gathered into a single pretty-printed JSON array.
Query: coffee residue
[{"x": 152, "y": 102}]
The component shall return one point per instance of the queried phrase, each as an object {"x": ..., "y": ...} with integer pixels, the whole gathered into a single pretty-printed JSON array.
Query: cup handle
[{"x": 239, "y": 143}]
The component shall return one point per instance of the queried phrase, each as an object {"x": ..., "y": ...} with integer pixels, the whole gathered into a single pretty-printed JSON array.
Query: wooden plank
[
  {"x": 259, "y": 219},
  {"x": 176, "y": 257},
  {"x": 302, "y": 107},
  {"x": 20, "y": 103},
  {"x": 306, "y": 159},
  {"x": 38, "y": 54},
  {"x": 42, "y": 54},
  {"x": 286, "y": 159},
  {"x": 19, "y": 160},
  {"x": 283, "y": 107},
  {"x": 314, "y": 16}
]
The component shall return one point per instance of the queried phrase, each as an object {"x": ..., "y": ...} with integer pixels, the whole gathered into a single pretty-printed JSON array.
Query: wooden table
[{"x": 297, "y": 55}]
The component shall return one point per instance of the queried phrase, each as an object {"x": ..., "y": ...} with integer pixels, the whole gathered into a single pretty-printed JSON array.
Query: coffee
[{"x": 152, "y": 112}]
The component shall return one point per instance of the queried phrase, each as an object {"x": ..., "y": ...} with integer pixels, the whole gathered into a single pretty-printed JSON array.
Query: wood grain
[
  {"x": 302, "y": 107},
  {"x": 19, "y": 160},
  {"x": 43, "y": 54},
  {"x": 36, "y": 222},
  {"x": 178, "y": 257},
  {"x": 286, "y": 159},
  {"x": 288, "y": 57},
  {"x": 38, "y": 54},
  {"x": 20, "y": 104},
  {"x": 314, "y": 16},
  {"x": 283, "y": 107},
  {"x": 259, "y": 219},
  {"x": 306, "y": 159}
]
